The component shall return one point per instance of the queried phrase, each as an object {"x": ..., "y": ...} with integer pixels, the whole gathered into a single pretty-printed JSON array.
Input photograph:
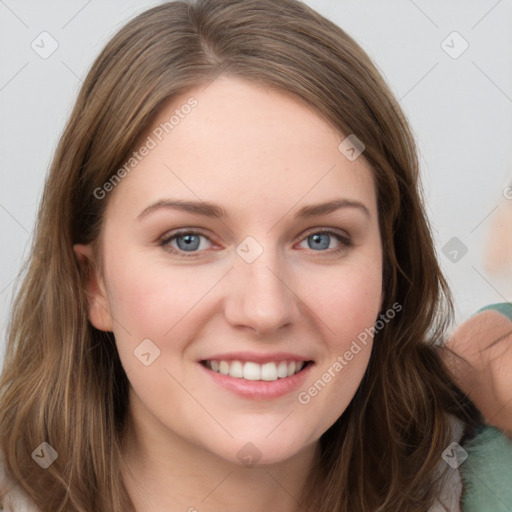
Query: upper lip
[{"x": 257, "y": 357}]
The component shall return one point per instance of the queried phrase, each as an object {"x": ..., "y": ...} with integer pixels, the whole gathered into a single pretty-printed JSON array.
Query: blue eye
[
  {"x": 192, "y": 243},
  {"x": 186, "y": 241},
  {"x": 321, "y": 240}
]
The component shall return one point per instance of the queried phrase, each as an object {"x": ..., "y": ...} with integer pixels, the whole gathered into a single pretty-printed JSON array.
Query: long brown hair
[{"x": 63, "y": 382}]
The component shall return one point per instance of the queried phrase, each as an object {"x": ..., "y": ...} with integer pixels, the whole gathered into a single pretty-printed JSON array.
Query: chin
[{"x": 257, "y": 451}]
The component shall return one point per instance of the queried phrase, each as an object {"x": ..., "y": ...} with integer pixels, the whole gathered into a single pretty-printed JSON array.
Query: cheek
[
  {"x": 346, "y": 304},
  {"x": 148, "y": 302}
]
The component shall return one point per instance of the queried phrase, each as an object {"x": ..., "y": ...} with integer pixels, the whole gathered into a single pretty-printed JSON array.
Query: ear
[{"x": 94, "y": 286}]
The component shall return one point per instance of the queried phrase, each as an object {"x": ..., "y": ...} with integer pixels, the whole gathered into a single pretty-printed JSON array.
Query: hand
[{"x": 479, "y": 357}]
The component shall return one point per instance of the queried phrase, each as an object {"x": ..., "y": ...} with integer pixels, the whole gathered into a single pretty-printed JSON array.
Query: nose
[{"x": 260, "y": 295}]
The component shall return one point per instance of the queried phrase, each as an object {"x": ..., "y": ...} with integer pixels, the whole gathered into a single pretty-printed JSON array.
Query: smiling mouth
[{"x": 253, "y": 371}]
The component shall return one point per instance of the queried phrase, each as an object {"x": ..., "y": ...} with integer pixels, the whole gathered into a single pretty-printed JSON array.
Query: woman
[{"x": 233, "y": 297}]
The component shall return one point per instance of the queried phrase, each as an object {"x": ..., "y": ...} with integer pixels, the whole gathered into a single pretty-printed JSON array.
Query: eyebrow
[{"x": 215, "y": 211}]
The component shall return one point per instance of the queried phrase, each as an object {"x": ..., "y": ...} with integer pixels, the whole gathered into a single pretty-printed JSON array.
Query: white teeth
[
  {"x": 269, "y": 371},
  {"x": 224, "y": 367},
  {"x": 254, "y": 371},
  {"x": 282, "y": 370},
  {"x": 236, "y": 370}
]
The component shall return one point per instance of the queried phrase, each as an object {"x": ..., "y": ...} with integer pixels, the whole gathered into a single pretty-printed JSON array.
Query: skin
[
  {"x": 262, "y": 155},
  {"x": 480, "y": 350},
  {"x": 479, "y": 357}
]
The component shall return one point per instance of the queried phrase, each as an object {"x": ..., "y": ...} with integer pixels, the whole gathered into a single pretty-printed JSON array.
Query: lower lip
[{"x": 260, "y": 389}]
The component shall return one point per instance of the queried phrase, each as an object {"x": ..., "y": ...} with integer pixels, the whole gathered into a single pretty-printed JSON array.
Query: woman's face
[{"x": 241, "y": 241}]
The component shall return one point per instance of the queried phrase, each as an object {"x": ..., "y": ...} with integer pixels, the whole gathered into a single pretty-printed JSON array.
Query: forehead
[{"x": 243, "y": 144}]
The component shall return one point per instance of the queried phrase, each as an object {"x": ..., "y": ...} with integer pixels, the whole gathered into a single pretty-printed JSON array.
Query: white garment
[{"x": 451, "y": 493}]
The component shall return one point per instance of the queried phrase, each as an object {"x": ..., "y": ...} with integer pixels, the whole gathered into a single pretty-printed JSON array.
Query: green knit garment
[
  {"x": 505, "y": 308},
  {"x": 487, "y": 472}
]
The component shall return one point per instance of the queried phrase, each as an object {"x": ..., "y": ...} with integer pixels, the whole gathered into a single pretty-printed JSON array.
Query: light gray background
[{"x": 460, "y": 110}]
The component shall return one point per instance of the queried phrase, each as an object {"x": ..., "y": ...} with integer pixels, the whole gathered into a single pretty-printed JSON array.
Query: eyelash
[{"x": 344, "y": 240}]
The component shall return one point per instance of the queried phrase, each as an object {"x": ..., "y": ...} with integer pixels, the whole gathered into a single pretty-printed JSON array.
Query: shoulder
[
  {"x": 12, "y": 498},
  {"x": 487, "y": 472},
  {"x": 477, "y": 473}
]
